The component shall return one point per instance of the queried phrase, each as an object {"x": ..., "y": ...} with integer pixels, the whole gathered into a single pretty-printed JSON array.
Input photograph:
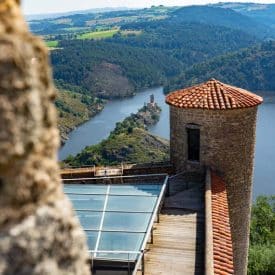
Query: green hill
[
  {"x": 74, "y": 109},
  {"x": 141, "y": 48},
  {"x": 79, "y": 22},
  {"x": 252, "y": 69},
  {"x": 138, "y": 146},
  {"x": 80, "y": 63},
  {"x": 225, "y": 17},
  {"x": 128, "y": 142},
  {"x": 152, "y": 58},
  {"x": 256, "y": 19},
  {"x": 188, "y": 42},
  {"x": 263, "y": 13}
]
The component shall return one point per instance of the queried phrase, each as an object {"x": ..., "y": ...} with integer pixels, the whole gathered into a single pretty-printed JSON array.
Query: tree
[{"x": 262, "y": 237}]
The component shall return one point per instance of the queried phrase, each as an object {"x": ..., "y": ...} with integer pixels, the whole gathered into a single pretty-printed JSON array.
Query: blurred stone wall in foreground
[{"x": 39, "y": 233}]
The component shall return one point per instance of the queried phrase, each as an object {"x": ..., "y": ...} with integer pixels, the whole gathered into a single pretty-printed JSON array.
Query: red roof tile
[
  {"x": 214, "y": 95},
  {"x": 222, "y": 241}
]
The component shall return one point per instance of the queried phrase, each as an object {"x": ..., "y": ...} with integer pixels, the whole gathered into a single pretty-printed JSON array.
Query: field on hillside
[
  {"x": 97, "y": 34},
  {"x": 52, "y": 43}
]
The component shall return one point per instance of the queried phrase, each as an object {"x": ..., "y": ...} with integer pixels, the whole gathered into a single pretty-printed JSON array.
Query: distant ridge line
[{"x": 42, "y": 16}]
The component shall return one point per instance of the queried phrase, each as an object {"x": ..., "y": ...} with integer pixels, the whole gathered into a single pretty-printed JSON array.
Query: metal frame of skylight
[
  {"x": 140, "y": 260},
  {"x": 148, "y": 232},
  {"x": 114, "y": 252},
  {"x": 115, "y": 195},
  {"x": 116, "y": 177},
  {"x": 114, "y": 211},
  {"x": 102, "y": 219},
  {"x": 115, "y": 231}
]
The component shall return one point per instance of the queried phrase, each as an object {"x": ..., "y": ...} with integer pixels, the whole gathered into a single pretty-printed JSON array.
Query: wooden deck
[{"x": 178, "y": 245}]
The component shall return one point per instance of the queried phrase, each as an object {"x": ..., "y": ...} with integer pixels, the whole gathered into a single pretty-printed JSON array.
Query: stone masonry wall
[
  {"x": 227, "y": 146},
  {"x": 39, "y": 233}
]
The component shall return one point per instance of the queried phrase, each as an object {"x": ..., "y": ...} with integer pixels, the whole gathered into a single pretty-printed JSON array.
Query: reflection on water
[
  {"x": 264, "y": 176},
  {"x": 100, "y": 126}
]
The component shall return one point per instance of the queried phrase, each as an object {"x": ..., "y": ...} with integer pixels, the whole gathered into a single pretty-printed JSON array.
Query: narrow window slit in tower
[{"x": 193, "y": 140}]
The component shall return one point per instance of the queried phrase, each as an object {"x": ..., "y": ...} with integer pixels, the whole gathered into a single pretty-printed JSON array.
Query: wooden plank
[{"x": 178, "y": 246}]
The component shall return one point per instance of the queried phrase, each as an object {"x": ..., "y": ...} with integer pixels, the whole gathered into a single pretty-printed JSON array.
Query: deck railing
[
  {"x": 122, "y": 169},
  {"x": 122, "y": 164}
]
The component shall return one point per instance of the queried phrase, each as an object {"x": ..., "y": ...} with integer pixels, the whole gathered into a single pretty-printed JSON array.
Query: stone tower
[
  {"x": 214, "y": 125},
  {"x": 152, "y": 99}
]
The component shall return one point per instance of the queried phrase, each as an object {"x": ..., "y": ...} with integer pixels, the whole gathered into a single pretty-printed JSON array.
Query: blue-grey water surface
[{"x": 99, "y": 127}]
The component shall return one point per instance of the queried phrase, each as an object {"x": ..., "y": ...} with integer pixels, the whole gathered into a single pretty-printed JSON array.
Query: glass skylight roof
[{"x": 116, "y": 218}]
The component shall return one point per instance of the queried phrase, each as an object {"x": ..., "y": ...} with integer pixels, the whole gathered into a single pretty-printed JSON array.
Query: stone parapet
[{"x": 209, "y": 255}]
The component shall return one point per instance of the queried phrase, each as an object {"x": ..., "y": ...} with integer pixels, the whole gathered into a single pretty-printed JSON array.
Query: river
[{"x": 99, "y": 127}]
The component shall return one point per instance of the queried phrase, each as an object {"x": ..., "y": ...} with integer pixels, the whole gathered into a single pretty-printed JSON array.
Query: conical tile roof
[{"x": 213, "y": 95}]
